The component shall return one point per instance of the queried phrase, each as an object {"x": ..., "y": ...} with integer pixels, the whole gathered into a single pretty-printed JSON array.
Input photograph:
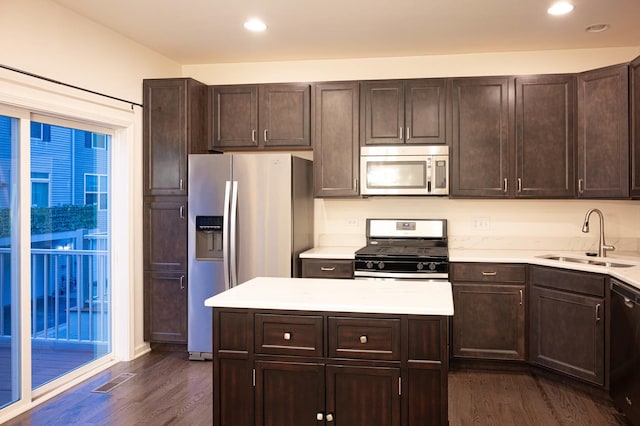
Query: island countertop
[{"x": 339, "y": 295}]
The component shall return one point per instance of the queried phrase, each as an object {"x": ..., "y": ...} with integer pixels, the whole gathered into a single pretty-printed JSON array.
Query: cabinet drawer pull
[
  {"x": 489, "y": 274},
  {"x": 363, "y": 339},
  {"x": 287, "y": 336},
  {"x": 597, "y": 312},
  {"x": 327, "y": 268}
]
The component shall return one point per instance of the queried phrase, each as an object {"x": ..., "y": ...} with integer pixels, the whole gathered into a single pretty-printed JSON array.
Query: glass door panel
[
  {"x": 9, "y": 313},
  {"x": 70, "y": 286}
]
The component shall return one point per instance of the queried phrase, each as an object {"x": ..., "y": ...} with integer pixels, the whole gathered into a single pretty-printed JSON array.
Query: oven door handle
[{"x": 396, "y": 275}]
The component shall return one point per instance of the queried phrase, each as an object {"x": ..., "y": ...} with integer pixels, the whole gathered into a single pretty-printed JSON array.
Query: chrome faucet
[{"x": 602, "y": 246}]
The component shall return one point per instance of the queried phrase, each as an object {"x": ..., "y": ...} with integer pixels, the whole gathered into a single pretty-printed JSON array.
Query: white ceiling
[{"x": 211, "y": 31}]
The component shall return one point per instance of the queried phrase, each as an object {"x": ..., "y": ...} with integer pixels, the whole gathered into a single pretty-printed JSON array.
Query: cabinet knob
[
  {"x": 329, "y": 417},
  {"x": 319, "y": 417},
  {"x": 363, "y": 339},
  {"x": 287, "y": 336}
]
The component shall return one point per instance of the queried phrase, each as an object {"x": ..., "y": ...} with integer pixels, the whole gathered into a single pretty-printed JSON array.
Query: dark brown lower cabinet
[
  {"x": 567, "y": 328},
  {"x": 490, "y": 306},
  {"x": 165, "y": 307},
  {"x": 289, "y": 393},
  {"x": 489, "y": 322},
  {"x": 261, "y": 378}
]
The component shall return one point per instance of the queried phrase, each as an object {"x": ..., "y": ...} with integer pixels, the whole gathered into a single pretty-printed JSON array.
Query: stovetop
[{"x": 407, "y": 249}]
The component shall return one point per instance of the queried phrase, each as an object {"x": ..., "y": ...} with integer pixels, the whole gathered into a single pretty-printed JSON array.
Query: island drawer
[
  {"x": 289, "y": 334},
  {"x": 364, "y": 338},
  {"x": 488, "y": 272},
  {"x": 327, "y": 268}
]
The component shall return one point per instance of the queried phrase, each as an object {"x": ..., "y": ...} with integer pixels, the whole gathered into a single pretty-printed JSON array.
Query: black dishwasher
[{"x": 625, "y": 349}]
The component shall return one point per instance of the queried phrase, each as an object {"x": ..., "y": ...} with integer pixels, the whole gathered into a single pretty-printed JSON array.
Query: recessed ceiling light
[
  {"x": 255, "y": 24},
  {"x": 597, "y": 28},
  {"x": 560, "y": 8}
]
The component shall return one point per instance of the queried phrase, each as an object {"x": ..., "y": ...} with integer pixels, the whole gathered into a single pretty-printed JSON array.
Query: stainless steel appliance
[
  {"x": 397, "y": 249},
  {"x": 404, "y": 170},
  {"x": 249, "y": 215},
  {"x": 625, "y": 349}
]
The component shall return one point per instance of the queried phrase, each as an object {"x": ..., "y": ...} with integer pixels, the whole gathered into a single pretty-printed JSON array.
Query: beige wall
[{"x": 509, "y": 63}]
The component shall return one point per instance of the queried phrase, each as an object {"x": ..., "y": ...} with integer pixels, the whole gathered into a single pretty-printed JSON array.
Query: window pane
[
  {"x": 92, "y": 183},
  {"x": 9, "y": 314},
  {"x": 39, "y": 194},
  {"x": 69, "y": 257}
]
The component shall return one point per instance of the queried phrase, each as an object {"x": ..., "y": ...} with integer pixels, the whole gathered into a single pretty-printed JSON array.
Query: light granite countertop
[
  {"x": 339, "y": 295},
  {"x": 630, "y": 275}
]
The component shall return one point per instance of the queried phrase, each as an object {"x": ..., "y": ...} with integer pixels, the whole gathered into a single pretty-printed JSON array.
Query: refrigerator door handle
[
  {"x": 225, "y": 235},
  {"x": 233, "y": 241}
]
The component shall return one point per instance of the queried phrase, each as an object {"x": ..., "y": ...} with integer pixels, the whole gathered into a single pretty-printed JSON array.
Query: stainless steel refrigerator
[{"x": 249, "y": 215}]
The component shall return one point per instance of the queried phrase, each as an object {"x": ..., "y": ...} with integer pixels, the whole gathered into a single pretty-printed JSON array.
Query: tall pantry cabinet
[{"x": 174, "y": 127}]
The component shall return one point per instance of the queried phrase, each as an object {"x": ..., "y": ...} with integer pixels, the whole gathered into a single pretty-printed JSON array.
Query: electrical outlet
[
  {"x": 481, "y": 223},
  {"x": 352, "y": 223}
]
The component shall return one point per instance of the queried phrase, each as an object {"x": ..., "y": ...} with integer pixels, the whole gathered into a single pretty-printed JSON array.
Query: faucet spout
[{"x": 602, "y": 246}]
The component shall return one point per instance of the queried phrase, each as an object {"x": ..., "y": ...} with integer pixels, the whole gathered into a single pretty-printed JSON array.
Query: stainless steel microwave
[{"x": 404, "y": 170}]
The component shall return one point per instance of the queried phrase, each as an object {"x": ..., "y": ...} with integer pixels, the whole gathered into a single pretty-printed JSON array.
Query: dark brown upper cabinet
[
  {"x": 481, "y": 140},
  {"x": 404, "y": 111},
  {"x": 336, "y": 145},
  {"x": 603, "y": 133},
  {"x": 260, "y": 116},
  {"x": 634, "y": 91},
  {"x": 174, "y": 127},
  {"x": 545, "y": 136}
]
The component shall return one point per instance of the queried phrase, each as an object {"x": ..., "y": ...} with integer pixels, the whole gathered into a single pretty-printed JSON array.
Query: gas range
[{"x": 404, "y": 249}]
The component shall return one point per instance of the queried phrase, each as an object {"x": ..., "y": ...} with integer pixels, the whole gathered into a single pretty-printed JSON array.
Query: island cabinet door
[
  {"x": 362, "y": 396},
  {"x": 289, "y": 393}
]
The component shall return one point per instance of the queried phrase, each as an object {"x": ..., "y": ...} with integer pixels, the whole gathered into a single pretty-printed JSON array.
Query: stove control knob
[
  {"x": 380, "y": 265},
  {"x": 420, "y": 265},
  {"x": 432, "y": 266},
  {"x": 369, "y": 265}
]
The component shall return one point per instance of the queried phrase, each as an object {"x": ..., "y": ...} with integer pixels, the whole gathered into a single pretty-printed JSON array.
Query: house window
[
  {"x": 40, "y": 189},
  {"x": 96, "y": 190},
  {"x": 98, "y": 141},
  {"x": 40, "y": 132}
]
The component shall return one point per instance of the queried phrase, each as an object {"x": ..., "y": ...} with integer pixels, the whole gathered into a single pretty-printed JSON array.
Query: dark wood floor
[{"x": 167, "y": 389}]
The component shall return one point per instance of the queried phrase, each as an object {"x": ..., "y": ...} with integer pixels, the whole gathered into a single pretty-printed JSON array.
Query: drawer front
[
  {"x": 488, "y": 272},
  {"x": 289, "y": 335},
  {"x": 571, "y": 281},
  {"x": 327, "y": 268},
  {"x": 364, "y": 338}
]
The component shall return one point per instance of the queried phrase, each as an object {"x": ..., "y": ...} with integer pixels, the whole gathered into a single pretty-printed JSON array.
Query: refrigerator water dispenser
[{"x": 209, "y": 237}]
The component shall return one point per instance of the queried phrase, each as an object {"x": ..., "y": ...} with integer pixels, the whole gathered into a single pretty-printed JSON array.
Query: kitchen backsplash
[{"x": 487, "y": 224}]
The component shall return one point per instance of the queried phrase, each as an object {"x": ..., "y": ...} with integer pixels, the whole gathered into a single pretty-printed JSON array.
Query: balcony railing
[{"x": 70, "y": 295}]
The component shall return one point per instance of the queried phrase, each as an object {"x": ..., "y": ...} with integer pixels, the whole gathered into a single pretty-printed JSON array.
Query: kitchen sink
[{"x": 596, "y": 262}]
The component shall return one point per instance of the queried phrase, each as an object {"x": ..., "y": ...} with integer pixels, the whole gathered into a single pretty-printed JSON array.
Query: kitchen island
[{"x": 323, "y": 351}]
